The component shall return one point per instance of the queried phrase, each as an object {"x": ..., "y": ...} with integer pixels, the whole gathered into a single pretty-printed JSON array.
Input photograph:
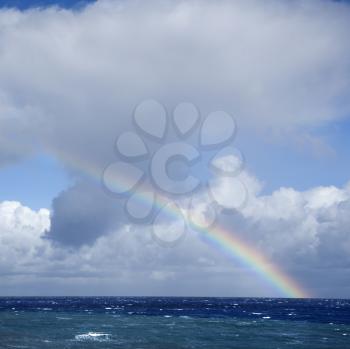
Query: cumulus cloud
[
  {"x": 300, "y": 231},
  {"x": 21, "y": 236},
  {"x": 83, "y": 213},
  {"x": 309, "y": 229}
]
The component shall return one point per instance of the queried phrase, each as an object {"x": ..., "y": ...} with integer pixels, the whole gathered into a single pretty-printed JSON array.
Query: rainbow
[
  {"x": 247, "y": 255},
  {"x": 227, "y": 241}
]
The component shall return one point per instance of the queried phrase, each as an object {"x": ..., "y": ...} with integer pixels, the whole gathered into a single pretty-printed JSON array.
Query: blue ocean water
[{"x": 174, "y": 323}]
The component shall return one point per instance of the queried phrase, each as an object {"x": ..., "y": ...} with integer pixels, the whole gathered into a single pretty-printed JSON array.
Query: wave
[{"x": 93, "y": 336}]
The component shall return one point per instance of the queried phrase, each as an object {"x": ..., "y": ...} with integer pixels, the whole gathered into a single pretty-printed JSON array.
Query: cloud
[
  {"x": 83, "y": 213},
  {"x": 21, "y": 232},
  {"x": 69, "y": 81},
  {"x": 272, "y": 64},
  {"x": 309, "y": 229},
  {"x": 300, "y": 231}
]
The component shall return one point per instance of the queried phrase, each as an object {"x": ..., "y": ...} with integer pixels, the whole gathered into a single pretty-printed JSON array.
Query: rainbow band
[
  {"x": 246, "y": 254},
  {"x": 227, "y": 241}
]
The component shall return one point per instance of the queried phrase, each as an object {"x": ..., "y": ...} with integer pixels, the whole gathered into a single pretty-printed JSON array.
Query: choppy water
[{"x": 173, "y": 323}]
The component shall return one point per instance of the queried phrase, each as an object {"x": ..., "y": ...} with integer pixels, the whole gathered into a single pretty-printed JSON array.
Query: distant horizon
[{"x": 155, "y": 296}]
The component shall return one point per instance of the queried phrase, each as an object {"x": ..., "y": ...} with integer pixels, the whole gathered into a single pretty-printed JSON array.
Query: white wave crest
[{"x": 93, "y": 336}]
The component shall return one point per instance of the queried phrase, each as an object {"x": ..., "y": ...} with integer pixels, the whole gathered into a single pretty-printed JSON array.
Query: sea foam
[{"x": 93, "y": 336}]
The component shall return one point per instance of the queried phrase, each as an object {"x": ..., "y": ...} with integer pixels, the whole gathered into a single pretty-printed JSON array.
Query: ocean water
[{"x": 174, "y": 323}]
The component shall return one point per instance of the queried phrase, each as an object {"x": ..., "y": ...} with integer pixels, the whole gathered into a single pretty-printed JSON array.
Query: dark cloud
[{"x": 83, "y": 213}]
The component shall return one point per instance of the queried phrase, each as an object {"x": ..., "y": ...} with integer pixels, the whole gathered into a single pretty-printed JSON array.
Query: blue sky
[
  {"x": 299, "y": 166},
  {"x": 34, "y": 181},
  {"x": 25, "y": 4}
]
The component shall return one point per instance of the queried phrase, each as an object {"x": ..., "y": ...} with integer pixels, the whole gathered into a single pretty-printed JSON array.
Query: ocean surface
[{"x": 174, "y": 323}]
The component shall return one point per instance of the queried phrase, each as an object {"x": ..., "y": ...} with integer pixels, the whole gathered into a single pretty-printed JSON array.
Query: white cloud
[
  {"x": 21, "y": 232},
  {"x": 301, "y": 231},
  {"x": 297, "y": 227}
]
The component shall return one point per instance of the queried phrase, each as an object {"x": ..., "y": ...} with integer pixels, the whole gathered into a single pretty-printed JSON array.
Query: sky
[
  {"x": 73, "y": 77},
  {"x": 30, "y": 4}
]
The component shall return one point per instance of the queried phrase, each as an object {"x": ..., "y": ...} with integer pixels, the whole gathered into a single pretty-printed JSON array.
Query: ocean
[{"x": 174, "y": 323}]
